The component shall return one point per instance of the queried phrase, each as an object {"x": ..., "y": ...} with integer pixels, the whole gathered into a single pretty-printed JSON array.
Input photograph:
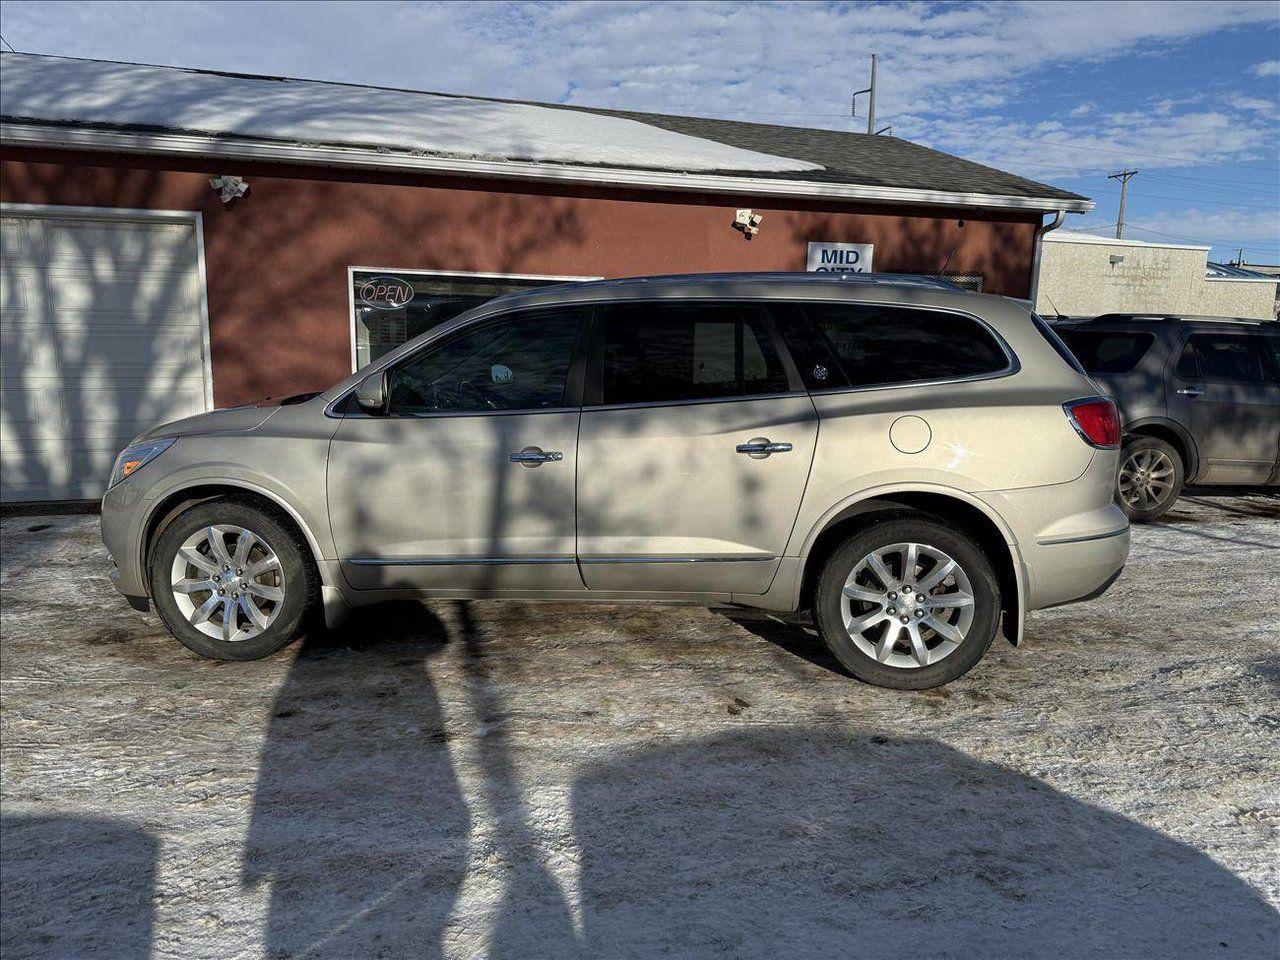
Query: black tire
[
  {"x": 1136, "y": 507},
  {"x": 298, "y": 574},
  {"x": 917, "y": 529}
]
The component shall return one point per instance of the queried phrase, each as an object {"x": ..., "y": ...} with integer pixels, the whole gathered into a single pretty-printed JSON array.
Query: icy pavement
[{"x": 537, "y": 780}]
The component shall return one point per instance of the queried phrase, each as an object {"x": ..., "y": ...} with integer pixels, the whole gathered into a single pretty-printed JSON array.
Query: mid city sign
[{"x": 840, "y": 257}]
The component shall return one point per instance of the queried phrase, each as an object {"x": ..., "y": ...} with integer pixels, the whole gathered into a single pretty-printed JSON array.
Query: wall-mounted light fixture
[
  {"x": 748, "y": 221},
  {"x": 229, "y": 188},
  {"x": 1117, "y": 258}
]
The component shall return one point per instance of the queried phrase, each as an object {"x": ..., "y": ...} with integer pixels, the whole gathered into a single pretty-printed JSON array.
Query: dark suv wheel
[
  {"x": 1150, "y": 478},
  {"x": 909, "y": 603},
  {"x": 231, "y": 581}
]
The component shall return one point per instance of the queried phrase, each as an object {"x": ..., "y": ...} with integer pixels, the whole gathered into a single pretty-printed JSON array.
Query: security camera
[
  {"x": 229, "y": 188},
  {"x": 748, "y": 221}
]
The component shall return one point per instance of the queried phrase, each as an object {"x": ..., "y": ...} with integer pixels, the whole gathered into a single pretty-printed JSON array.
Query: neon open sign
[{"x": 385, "y": 293}]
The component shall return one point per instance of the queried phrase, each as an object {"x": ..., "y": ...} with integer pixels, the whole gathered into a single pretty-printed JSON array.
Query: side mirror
[{"x": 371, "y": 393}]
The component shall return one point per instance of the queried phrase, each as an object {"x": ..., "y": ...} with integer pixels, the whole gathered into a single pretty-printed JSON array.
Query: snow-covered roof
[
  {"x": 64, "y": 103},
  {"x": 64, "y": 90}
]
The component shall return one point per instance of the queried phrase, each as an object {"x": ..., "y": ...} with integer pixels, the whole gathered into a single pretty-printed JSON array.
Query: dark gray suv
[{"x": 1199, "y": 398}]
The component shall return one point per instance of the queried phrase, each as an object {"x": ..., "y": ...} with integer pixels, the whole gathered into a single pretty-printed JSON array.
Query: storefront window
[{"x": 394, "y": 306}]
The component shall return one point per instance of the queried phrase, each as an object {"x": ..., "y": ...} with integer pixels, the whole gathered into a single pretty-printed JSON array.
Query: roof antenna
[{"x": 942, "y": 271}]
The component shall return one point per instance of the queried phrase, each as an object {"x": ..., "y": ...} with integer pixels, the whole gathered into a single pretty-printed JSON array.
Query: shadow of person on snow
[{"x": 358, "y": 821}]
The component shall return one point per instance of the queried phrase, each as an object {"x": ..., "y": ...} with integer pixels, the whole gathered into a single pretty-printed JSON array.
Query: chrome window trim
[{"x": 645, "y": 405}]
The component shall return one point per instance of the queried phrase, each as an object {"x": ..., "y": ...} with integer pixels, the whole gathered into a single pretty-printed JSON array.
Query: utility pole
[
  {"x": 871, "y": 108},
  {"x": 1124, "y": 176}
]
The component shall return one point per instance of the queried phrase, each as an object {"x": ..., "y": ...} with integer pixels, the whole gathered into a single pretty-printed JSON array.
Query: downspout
[{"x": 1041, "y": 230}]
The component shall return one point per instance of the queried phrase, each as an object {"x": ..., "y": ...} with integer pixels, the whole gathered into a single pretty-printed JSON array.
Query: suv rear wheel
[
  {"x": 910, "y": 603},
  {"x": 1150, "y": 478},
  {"x": 231, "y": 581}
]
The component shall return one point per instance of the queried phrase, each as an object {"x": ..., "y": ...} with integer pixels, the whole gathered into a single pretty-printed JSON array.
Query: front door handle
[
  {"x": 532, "y": 456},
  {"x": 761, "y": 447},
  {"x": 1190, "y": 391}
]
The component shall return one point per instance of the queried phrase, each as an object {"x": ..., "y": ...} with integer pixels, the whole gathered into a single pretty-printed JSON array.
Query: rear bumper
[{"x": 1074, "y": 570}]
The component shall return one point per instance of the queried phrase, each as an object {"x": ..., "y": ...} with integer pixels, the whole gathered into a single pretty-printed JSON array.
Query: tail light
[{"x": 1097, "y": 421}]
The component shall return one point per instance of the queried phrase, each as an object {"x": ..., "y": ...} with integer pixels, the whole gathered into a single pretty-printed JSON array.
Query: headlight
[{"x": 136, "y": 456}]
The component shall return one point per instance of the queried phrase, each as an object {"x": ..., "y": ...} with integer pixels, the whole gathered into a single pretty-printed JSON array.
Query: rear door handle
[
  {"x": 1190, "y": 391},
  {"x": 532, "y": 456},
  {"x": 761, "y": 447}
]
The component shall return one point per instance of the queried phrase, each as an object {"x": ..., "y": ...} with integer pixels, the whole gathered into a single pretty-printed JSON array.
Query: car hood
[{"x": 228, "y": 420}]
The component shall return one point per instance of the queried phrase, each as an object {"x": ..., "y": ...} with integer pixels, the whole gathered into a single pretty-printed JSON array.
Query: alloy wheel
[
  {"x": 907, "y": 605},
  {"x": 1146, "y": 479},
  {"x": 228, "y": 582}
]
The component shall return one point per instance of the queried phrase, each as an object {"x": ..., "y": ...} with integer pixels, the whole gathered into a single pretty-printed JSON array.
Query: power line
[
  {"x": 1178, "y": 236},
  {"x": 7, "y": 43}
]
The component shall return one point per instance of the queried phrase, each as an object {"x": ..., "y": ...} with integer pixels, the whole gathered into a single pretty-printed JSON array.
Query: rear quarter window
[
  {"x": 879, "y": 345},
  {"x": 1108, "y": 352}
]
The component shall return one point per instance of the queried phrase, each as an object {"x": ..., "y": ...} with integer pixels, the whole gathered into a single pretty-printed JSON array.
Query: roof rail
[
  {"x": 799, "y": 276},
  {"x": 1168, "y": 318}
]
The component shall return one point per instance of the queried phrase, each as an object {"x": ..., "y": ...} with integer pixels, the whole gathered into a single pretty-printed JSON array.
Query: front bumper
[
  {"x": 123, "y": 513},
  {"x": 137, "y": 602}
]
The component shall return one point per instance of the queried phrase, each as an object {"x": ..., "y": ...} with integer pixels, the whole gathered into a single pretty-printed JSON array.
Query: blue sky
[{"x": 1189, "y": 93}]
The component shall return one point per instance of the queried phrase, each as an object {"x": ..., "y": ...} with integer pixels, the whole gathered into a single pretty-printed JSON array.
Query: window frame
[
  {"x": 593, "y": 390},
  {"x": 570, "y": 401},
  {"x": 1012, "y": 364},
  {"x": 352, "y": 269}
]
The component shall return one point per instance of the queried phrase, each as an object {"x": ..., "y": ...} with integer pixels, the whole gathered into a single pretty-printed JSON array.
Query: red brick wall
[{"x": 276, "y": 261}]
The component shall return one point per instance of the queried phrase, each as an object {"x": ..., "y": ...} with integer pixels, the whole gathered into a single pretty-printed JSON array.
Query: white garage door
[{"x": 101, "y": 337}]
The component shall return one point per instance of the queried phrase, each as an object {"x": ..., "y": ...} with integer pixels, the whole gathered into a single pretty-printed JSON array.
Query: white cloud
[
  {"x": 1083, "y": 110},
  {"x": 1257, "y": 104},
  {"x": 1221, "y": 227},
  {"x": 1267, "y": 68}
]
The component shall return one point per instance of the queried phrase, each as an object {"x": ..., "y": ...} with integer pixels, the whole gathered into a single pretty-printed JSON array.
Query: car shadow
[
  {"x": 813, "y": 843},
  {"x": 76, "y": 887}
]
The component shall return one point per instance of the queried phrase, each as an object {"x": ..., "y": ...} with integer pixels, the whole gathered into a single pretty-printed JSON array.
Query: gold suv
[{"x": 914, "y": 465}]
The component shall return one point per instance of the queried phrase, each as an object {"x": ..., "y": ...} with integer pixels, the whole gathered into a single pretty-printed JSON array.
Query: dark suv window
[
  {"x": 1106, "y": 352},
  {"x": 517, "y": 363},
  {"x": 657, "y": 352},
  {"x": 1221, "y": 357},
  {"x": 877, "y": 345}
]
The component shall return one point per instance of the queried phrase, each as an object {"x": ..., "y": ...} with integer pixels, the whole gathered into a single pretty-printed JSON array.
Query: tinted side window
[
  {"x": 520, "y": 363},
  {"x": 1226, "y": 357},
  {"x": 1108, "y": 352},
  {"x": 880, "y": 345},
  {"x": 656, "y": 352}
]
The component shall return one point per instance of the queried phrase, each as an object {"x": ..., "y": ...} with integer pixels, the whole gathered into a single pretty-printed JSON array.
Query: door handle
[
  {"x": 1190, "y": 391},
  {"x": 532, "y": 456},
  {"x": 761, "y": 447}
]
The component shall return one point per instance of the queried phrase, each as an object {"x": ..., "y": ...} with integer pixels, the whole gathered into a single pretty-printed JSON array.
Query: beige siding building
[{"x": 1082, "y": 275}]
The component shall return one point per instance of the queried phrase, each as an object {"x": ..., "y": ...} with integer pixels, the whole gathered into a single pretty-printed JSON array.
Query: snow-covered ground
[
  {"x": 64, "y": 90},
  {"x": 531, "y": 780}
]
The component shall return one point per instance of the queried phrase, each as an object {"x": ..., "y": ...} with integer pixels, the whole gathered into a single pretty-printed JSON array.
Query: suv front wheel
[
  {"x": 231, "y": 581},
  {"x": 909, "y": 603}
]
